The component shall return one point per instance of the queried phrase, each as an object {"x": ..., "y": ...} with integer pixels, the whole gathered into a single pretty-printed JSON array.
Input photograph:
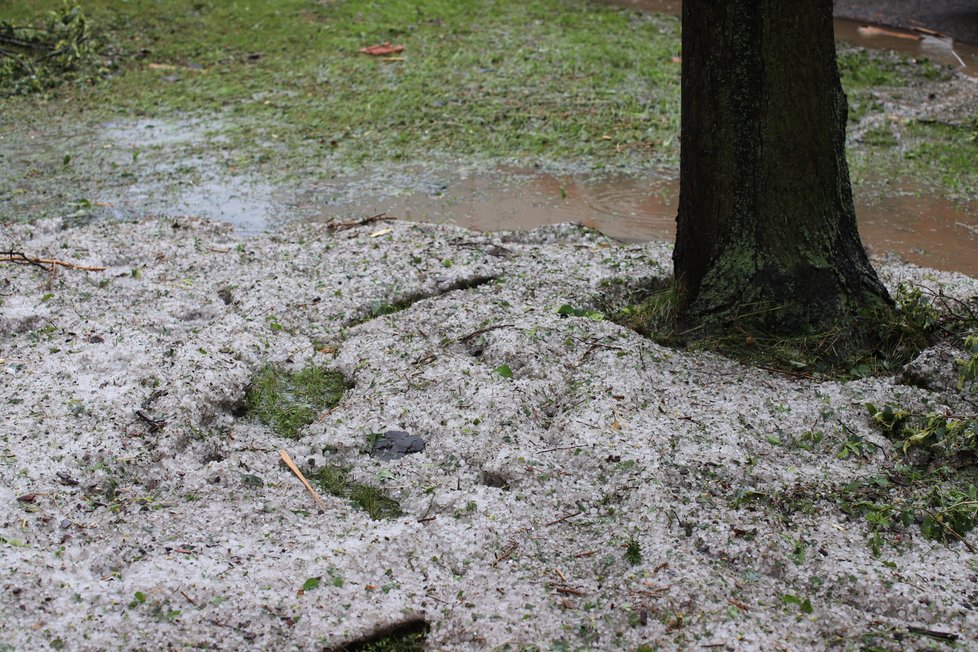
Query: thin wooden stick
[
  {"x": 564, "y": 518},
  {"x": 513, "y": 546},
  {"x": 482, "y": 331},
  {"x": 22, "y": 259},
  {"x": 295, "y": 469},
  {"x": 343, "y": 226}
]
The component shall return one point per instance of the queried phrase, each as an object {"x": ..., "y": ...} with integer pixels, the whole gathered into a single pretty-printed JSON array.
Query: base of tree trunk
[{"x": 767, "y": 239}]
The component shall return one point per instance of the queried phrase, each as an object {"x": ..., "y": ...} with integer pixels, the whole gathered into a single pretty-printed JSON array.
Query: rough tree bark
[{"x": 766, "y": 227}]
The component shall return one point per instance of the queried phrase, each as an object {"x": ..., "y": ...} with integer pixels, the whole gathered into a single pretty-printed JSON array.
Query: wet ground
[
  {"x": 181, "y": 169},
  {"x": 956, "y": 18},
  {"x": 909, "y": 28},
  {"x": 925, "y": 230}
]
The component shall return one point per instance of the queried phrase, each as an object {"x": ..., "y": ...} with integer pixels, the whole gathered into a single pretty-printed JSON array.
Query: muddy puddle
[
  {"x": 923, "y": 229},
  {"x": 918, "y": 43}
]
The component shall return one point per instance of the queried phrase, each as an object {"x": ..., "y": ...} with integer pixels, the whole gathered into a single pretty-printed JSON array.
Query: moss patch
[
  {"x": 895, "y": 336},
  {"x": 288, "y": 401},
  {"x": 335, "y": 480}
]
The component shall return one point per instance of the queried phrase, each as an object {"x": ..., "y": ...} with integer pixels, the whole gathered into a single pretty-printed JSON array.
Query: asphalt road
[{"x": 956, "y": 18}]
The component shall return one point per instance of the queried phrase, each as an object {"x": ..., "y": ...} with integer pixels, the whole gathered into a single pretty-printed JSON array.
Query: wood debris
[{"x": 47, "y": 264}]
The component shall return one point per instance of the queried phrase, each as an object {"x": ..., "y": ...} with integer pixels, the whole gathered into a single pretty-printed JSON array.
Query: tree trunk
[{"x": 766, "y": 227}]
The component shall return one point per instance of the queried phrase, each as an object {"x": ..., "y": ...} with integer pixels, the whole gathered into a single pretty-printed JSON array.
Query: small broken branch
[
  {"x": 47, "y": 264},
  {"x": 564, "y": 518},
  {"x": 944, "y": 636},
  {"x": 155, "y": 425},
  {"x": 295, "y": 469},
  {"x": 567, "y": 590},
  {"x": 343, "y": 226},
  {"x": 561, "y": 448},
  {"x": 482, "y": 331},
  {"x": 513, "y": 546}
]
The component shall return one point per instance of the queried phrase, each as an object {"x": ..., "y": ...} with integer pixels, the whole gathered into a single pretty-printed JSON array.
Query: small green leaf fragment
[{"x": 504, "y": 371}]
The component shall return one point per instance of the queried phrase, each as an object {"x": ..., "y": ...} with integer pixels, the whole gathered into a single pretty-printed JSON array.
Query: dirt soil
[{"x": 554, "y": 446}]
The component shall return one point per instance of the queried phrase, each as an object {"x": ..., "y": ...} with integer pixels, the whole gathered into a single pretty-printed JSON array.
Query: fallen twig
[
  {"x": 564, "y": 518},
  {"x": 20, "y": 258},
  {"x": 561, "y": 448},
  {"x": 155, "y": 425},
  {"x": 343, "y": 226},
  {"x": 488, "y": 247},
  {"x": 950, "y": 530},
  {"x": 507, "y": 552},
  {"x": 482, "y": 331},
  {"x": 944, "y": 636},
  {"x": 295, "y": 469},
  {"x": 567, "y": 590},
  {"x": 739, "y": 605}
]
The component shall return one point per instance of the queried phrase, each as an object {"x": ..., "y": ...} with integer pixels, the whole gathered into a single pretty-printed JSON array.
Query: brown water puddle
[
  {"x": 925, "y": 230},
  {"x": 946, "y": 50}
]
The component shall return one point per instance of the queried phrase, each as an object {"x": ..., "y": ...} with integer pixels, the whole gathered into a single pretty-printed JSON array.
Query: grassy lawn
[{"x": 546, "y": 79}]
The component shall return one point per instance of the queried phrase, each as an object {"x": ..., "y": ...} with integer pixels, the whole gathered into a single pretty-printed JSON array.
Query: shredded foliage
[{"x": 36, "y": 57}]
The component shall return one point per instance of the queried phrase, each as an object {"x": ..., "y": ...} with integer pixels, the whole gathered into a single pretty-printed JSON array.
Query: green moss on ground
[
  {"x": 286, "y": 401},
  {"x": 881, "y": 341},
  {"x": 335, "y": 480}
]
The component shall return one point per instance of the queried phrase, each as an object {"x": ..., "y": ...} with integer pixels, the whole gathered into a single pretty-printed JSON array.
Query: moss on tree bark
[{"x": 767, "y": 231}]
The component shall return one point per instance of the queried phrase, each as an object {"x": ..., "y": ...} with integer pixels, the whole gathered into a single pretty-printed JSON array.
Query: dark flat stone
[{"x": 395, "y": 444}]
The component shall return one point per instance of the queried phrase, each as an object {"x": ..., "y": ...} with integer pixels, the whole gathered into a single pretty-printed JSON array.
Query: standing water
[{"x": 923, "y": 229}]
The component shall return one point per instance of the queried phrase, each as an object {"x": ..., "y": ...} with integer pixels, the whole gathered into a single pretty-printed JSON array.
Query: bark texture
[{"x": 766, "y": 226}]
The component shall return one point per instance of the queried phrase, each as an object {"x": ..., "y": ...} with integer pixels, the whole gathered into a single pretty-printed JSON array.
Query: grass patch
[
  {"x": 407, "y": 637},
  {"x": 880, "y": 136},
  {"x": 287, "y": 401},
  {"x": 278, "y": 89},
  {"x": 336, "y": 481},
  {"x": 860, "y": 68},
  {"x": 945, "y": 152}
]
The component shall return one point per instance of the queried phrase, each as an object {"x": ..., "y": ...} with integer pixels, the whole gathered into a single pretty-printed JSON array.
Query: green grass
[
  {"x": 946, "y": 152},
  {"x": 286, "y": 402},
  {"x": 408, "y": 637},
  {"x": 538, "y": 78},
  {"x": 868, "y": 69},
  {"x": 336, "y": 481}
]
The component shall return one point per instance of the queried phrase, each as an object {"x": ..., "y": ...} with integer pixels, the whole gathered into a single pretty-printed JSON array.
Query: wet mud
[
  {"x": 923, "y": 229},
  {"x": 920, "y": 42}
]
